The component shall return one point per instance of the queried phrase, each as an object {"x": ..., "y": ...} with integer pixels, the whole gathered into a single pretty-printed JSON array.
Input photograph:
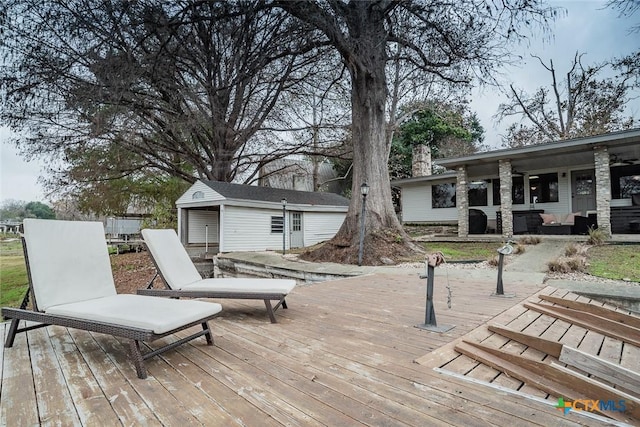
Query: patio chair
[
  {"x": 182, "y": 279},
  {"x": 71, "y": 284}
]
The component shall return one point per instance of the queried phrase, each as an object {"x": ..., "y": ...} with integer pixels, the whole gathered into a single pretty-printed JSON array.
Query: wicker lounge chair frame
[
  {"x": 133, "y": 334},
  {"x": 169, "y": 292}
]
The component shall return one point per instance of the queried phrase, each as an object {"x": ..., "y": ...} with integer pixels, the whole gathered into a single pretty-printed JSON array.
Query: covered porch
[{"x": 595, "y": 178}]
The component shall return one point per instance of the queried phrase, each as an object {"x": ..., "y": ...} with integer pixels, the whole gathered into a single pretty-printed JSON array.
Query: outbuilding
[{"x": 226, "y": 217}]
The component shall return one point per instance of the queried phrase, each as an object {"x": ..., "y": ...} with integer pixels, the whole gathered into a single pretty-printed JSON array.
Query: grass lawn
[
  {"x": 13, "y": 274},
  {"x": 615, "y": 262},
  {"x": 463, "y": 251}
]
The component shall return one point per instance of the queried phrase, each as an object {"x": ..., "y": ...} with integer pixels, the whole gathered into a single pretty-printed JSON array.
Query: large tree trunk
[{"x": 384, "y": 236}]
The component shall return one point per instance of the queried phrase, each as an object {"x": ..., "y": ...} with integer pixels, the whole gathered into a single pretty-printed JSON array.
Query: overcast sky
[{"x": 587, "y": 28}]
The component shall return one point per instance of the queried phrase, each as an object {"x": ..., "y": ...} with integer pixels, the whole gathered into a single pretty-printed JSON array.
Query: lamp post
[
  {"x": 364, "y": 190},
  {"x": 284, "y": 223}
]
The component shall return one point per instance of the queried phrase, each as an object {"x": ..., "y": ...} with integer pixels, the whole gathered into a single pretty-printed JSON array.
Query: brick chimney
[{"x": 421, "y": 161}]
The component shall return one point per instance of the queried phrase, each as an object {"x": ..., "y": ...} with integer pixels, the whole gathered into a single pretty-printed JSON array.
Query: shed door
[
  {"x": 202, "y": 226},
  {"x": 295, "y": 230},
  {"x": 583, "y": 191}
]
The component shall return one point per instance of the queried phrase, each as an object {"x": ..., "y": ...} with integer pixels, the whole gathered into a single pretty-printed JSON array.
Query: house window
[
  {"x": 543, "y": 188},
  {"x": 517, "y": 191},
  {"x": 277, "y": 224},
  {"x": 197, "y": 195},
  {"x": 478, "y": 193},
  {"x": 625, "y": 181},
  {"x": 443, "y": 195}
]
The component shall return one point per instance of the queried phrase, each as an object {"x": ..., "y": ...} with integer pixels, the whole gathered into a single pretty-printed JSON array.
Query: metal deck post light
[
  {"x": 364, "y": 190},
  {"x": 284, "y": 229},
  {"x": 506, "y": 249}
]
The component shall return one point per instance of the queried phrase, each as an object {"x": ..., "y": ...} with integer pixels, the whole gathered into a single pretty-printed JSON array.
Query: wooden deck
[
  {"x": 344, "y": 353},
  {"x": 519, "y": 318}
]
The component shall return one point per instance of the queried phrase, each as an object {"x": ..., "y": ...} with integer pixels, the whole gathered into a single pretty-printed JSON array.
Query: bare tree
[
  {"x": 629, "y": 66},
  {"x": 183, "y": 89},
  {"x": 452, "y": 40},
  {"x": 581, "y": 104}
]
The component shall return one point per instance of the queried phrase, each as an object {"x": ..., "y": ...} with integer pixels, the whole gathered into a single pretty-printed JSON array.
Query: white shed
[{"x": 227, "y": 217}]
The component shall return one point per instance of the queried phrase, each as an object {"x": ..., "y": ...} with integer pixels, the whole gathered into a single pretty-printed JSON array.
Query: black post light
[
  {"x": 284, "y": 229},
  {"x": 506, "y": 249},
  {"x": 364, "y": 190}
]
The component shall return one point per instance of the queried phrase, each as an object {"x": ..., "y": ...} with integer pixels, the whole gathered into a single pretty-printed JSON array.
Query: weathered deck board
[
  {"x": 535, "y": 324},
  {"x": 342, "y": 354},
  {"x": 17, "y": 403},
  {"x": 54, "y": 399}
]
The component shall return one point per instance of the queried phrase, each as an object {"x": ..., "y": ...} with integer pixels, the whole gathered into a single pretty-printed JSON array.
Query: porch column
[
  {"x": 603, "y": 188},
  {"x": 506, "y": 208},
  {"x": 462, "y": 201}
]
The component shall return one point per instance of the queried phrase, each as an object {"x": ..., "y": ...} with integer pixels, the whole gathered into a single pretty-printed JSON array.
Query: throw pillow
[
  {"x": 548, "y": 218},
  {"x": 570, "y": 219}
]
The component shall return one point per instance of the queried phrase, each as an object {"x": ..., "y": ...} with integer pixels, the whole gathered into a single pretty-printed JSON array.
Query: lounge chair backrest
[
  {"x": 171, "y": 257},
  {"x": 68, "y": 261}
]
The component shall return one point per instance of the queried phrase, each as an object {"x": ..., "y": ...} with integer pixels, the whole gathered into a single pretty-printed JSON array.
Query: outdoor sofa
[
  {"x": 71, "y": 284},
  {"x": 182, "y": 279}
]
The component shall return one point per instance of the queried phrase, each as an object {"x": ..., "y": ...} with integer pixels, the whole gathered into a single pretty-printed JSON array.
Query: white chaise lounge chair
[
  {"x": 71, "y": 284},
  {"x": 183, "y": 280}
]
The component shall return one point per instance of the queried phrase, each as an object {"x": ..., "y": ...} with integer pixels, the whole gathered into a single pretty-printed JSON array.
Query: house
[
  {"x": 227, "y": 217},
  {"x": 595, "y": 176},
  {"x": 301, "y": 174}
]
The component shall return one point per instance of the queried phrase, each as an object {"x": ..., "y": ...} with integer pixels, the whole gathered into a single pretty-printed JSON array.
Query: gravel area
[
  {"x": 574, "y": 277},
  {"x": 584, "y": 277}
]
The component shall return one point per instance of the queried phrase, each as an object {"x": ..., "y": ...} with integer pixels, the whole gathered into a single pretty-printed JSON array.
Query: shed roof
[{"x": 275, "y": 195}]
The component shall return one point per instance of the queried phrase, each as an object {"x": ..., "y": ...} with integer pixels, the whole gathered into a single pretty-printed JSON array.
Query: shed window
[
  {"x": 543, "y": 188},
  {"x": 443, "y": 195},
  {"x": 277, "y": 224}
]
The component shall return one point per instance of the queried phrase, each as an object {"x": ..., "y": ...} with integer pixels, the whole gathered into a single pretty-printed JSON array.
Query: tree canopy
[
  {"x": 453, "y": 41},
  {"x": 18, "y": 210},
  {"x": 192, "y": 89},
  {"x": 119, "y": 90},
  {"x": 448, "y": 130}
]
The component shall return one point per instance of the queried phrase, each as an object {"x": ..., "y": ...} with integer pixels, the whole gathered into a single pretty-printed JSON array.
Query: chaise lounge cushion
[
  {"x": 54, "y": 282},
  {"x": 183, "y": 280},
  {"x": 137, "y": 311},
  {"x": 237, "y": 284},
  {"x": 180, "y": 274}
]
